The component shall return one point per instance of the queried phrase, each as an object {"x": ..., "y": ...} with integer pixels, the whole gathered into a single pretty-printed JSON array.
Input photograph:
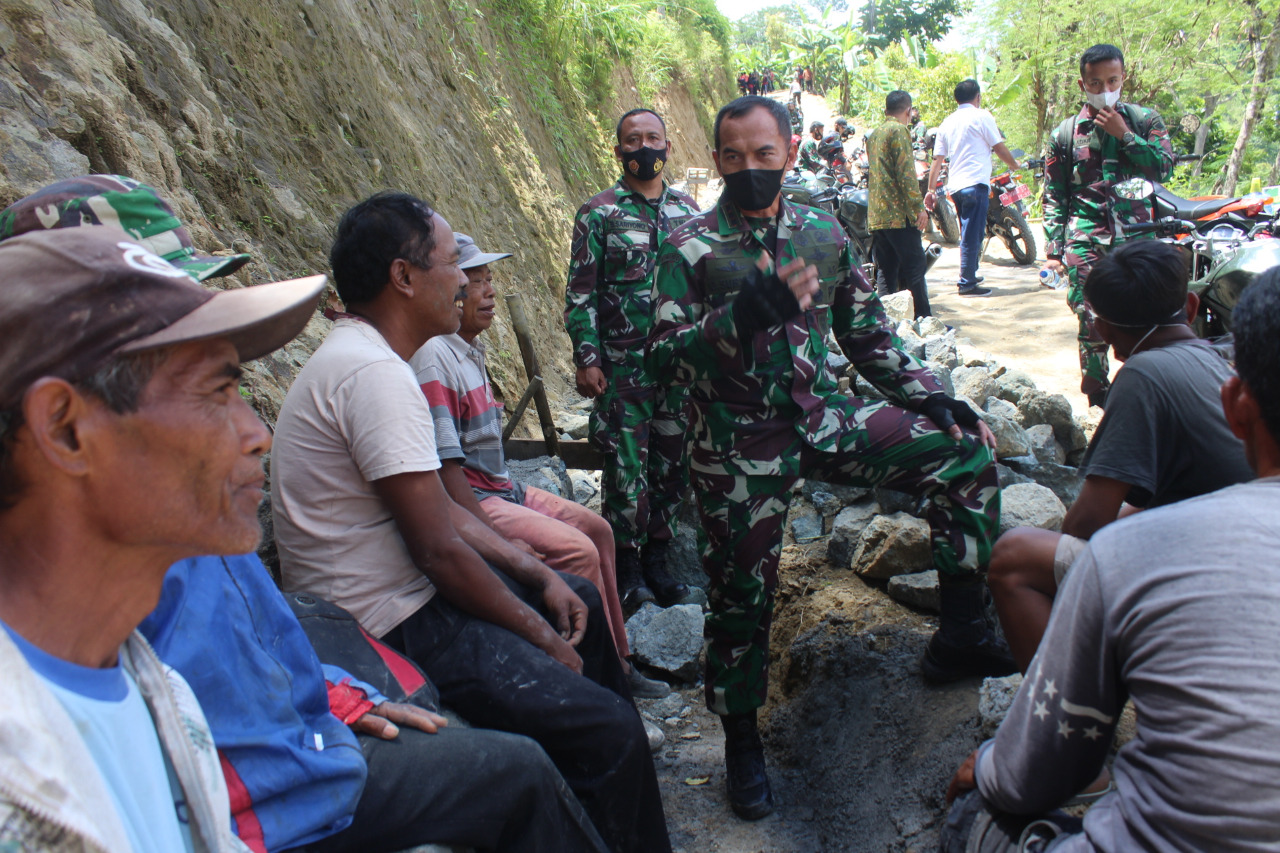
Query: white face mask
[{"x": 1102, "y": 100}]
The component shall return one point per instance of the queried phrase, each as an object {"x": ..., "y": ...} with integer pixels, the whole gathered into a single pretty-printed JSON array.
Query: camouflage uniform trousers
[
  {"x": 1095, "y": 368},
  {"x": 742, "y": 528},
  {"x": 642, "y": 433}
]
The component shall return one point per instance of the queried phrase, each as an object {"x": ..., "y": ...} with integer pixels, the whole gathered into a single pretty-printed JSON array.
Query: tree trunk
[
  {"x": 1274, "y": 177},
  {"x": 1264, "y": 53},
  {"x": 1202, "y": 133}
]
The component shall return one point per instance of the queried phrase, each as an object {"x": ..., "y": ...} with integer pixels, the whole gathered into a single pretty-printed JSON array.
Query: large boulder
[
  {"x": 919, "y": 589},
  {"x": 586, "y": 486},
  {"x": 891, "y": 545},
  {"x": 911, "y": 342},
  {"x": 1044, "y": 445},
  {"x": 1004, "y": 408},
  {"x": 543, "y": 472},
  {"x": 899, "y": 306},
  {"x": 1013, "y": 384},
  {"x": 1038, "y": 407},
  {"x": 1011, "y": 439},
  {"x": 1009, "y": 477},
  {"x": 1030, "y": 505},
  {"x": 573, "y": 424},
  {"x": 667, "y": 640},
  {"x": 1064, "y": 480},
  {"x": 805, "y": 523},
  {"x": 941, "y": 349},
  {"x": 847, "y": 529},
  {"x": 976, "y": 383},
  {"x": 943, "y": 375},
  {"x": 927, "y": 327}
]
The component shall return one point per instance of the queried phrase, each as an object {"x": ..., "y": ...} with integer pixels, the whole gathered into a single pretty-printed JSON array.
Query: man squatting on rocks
[
  {"x": 363, "y": 520},
  {"x": 468, "y": 424},
  {"x": 1174, "y": 609},
  {"x": 1106, "y": 143},
  {"x": 745, "y": 296},
  {"x": 296, "y": 773},
  {"x": 1163, "y": 439},
  {"x": 638, "y": 423},
  {"x": 124, "y": 447}
]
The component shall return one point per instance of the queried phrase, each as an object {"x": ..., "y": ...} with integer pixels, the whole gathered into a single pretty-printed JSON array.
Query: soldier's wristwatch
[{"x": 1128, "y": 138}]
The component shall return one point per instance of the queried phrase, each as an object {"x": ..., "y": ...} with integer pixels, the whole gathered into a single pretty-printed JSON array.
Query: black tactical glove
[
  {"x": 764, "y": 301},
  {"x": 946, "y": 412}
]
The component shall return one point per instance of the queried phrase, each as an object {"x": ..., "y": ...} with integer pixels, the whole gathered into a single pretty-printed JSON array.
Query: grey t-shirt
[
  {"x": 1164, "y": 432},
  {"x": 1176, "y": 609}
]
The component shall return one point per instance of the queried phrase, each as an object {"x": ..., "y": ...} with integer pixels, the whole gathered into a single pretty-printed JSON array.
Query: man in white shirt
[{"x": 968, "y": 137}]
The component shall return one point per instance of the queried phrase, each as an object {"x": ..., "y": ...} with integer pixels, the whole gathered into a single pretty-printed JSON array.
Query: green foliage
[{"x": 898, "y": 19}]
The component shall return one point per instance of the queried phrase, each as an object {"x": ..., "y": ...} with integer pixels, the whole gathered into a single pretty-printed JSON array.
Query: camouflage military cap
[{"x": 124, "y": 203}]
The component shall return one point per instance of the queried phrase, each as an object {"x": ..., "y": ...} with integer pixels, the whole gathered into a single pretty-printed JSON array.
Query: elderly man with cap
[
  {"x": 124, "y": 446},
  {"x": 468, "y": 421},
  {"x": 321, "y": 763}
]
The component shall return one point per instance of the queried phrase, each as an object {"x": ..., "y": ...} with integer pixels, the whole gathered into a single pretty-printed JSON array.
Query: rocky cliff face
[{"x": 263, "y": 119}]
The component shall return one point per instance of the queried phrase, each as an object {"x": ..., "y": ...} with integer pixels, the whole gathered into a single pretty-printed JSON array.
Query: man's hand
[
  {"x": 950, "y": 414},
  {"x": 802, "y": 281},
  {"x": 767, "y": 298},
  {"x": 930, "y": 200},
  {"x": 568, "y": 613},
  {"x": 1056, "y": 266},
  {"x": 381, "y": 721},
  {"x": 590, "y": 381},
  {"x": 922, "y": 221},
  {"x": 1112, "y": 122},
  {"x": 963, "y": 782},
  {"x": 528, "y": 549}
]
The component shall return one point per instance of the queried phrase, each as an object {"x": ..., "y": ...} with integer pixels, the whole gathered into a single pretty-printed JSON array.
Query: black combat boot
[
  {"x": 748, "y": 781},
  {"x": 965, "y": 646},
  {"x": 667, "y": 589},
  {"x": 632, "y": 591}
]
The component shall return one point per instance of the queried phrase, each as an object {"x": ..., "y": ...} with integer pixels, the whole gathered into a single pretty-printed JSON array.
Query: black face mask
[
  {"x": 753, "y": 189},
  {"x": 644, "y": 163}
]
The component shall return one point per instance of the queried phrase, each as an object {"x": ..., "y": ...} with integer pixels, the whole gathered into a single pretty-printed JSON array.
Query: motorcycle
[
  {"x": 944, "y": 212},
  {"x": 1229, "y": 245},
  {"x": 1007, "y": 215}
]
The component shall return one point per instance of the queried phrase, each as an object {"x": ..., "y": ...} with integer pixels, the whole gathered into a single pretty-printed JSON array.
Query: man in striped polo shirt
[{"x": 567, "y": 536}]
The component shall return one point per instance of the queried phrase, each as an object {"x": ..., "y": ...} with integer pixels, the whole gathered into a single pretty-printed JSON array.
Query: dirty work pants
[
  {"x": 971, "y": 208},
  {"x": 742, "y": 520},
  {"x": 470, "y": 787},
  {"x": 641, "y": 430},
  {"x": 586, "y": 723},
  {"x": 572, "y": 539},
  {"x": 1094, "y": 367},
  {"x": 900, "y": 258},
  {"x": 972, "y": 826}
]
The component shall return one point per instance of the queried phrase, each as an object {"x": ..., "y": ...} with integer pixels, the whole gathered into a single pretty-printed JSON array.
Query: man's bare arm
[
  {"x": 930, "y": 196},
  {"x": 455, "y": 483},
  {"x": 425, "y": 516},
  {"x": 1002, "y": 151},
  {"x": 1098, "y": 505}
]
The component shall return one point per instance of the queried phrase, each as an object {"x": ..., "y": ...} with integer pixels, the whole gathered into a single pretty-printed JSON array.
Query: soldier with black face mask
[{"x": 638, "y": 425}]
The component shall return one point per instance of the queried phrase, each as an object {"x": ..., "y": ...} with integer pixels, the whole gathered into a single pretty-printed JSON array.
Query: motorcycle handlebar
[{"x": 1168, "y": 225}]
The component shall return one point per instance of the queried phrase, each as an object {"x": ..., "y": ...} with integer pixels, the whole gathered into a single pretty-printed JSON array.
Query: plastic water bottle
[{"x": 1050, "y": 279}]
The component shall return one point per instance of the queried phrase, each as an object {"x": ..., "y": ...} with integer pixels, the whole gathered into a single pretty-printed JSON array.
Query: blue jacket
[{"x": 294, "y": 771}]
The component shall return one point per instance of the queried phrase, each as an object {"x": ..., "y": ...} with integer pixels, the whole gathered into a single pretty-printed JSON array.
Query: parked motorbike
[
  {"x": 944, "y": 212},
  {"x": 1227, "y": 249},
  {"x": 1007, "y": 215}
]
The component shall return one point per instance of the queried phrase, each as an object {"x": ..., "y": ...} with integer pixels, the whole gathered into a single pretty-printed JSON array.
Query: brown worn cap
[{"x": 74, "y": 297}]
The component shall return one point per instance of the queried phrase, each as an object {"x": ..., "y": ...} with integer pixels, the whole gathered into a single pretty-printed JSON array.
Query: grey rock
[
  {"x": 1079, "y": 439},
  {"x": 847, "y": 528},
  {"x": 543, "y": 472},
  {"x": 892, "y": 501},
  {"x": 943, "y": 375},
  {"x": 942, "y": 350},
  {"x": 918, "y": 590},
  {"x": 899, "y": 306},
  {"x": 1044, "y": 446},
  {"x": 1013, "y": 384},
  {"x": 573, "y": 423},
  {"x": 1064, "y": 480},
  {"x": 1004, "y": 408},
  {"x": 976, "y": 383},
  {"x": 1030, "y": 505},
  {"x": 891, "y": 545},
  {"x": 985, "y": 361},
  {"x": 911, "y": 342},
  {"x": 669, "y": 640},
  {"x": 929, "y": 326},
  {"x": 1038, "y": 407},
  {"x": 683, "y": 560},
  {"x": 586, "y": 485},
  {"x": 836, "y": 362},
  {"x": 826, "y": 503},
  {"x": 843, "y": 494},
  {"x": 1011, "y": 439},
  {"x": 994, "y": 700},
  {"x": 668, "y": 706},
  {"x": 806, "y": 525},
  {"x": 1008, "y": 477}
]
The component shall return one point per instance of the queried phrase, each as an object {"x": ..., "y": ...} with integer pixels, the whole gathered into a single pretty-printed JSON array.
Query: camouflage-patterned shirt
[
  {"x": 808, "y": 157},
  {"x": 1078, "y": 204},
  {"x": 893, "y": 192},
  {"x": 615, "y": 240},
  {"x": 752, "y": 399}
]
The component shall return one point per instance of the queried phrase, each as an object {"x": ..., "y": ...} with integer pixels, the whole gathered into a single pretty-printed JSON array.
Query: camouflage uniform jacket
[
  {"x": 1078, "y": 205},
  {"x": 615, "y": 240},
  {"x": 808, "y": 158},
  {"x": 753, "y": 399},
  {"x": 893, "y": 192}
]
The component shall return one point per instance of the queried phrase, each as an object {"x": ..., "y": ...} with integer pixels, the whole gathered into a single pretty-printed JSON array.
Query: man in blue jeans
[{"x": 968, "y": 137}]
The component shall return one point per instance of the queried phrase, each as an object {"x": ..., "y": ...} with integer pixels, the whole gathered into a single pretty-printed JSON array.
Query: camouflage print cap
[{"x": 123, "y": 203}]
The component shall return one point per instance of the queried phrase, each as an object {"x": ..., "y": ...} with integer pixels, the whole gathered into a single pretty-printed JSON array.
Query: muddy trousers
[
  {"x": 643, "y": 434},
  {"x": 1094, "y": 365},
  {"x": 586, "y": 723},
  {"x": 743, "y": 517}
]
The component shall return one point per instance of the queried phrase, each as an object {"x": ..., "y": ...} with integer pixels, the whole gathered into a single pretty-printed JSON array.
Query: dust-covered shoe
[
  {"x": 632, "y": 591},
  {"x": 646, "y": 688}
]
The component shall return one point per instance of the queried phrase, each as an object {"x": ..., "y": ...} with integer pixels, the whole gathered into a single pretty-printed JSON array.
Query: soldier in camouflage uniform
[
  {"x": 767, "y": 411},
  {"x": 1090, "y": 153},
  {"x": 638, "y": 425},
  {"x": 809, "y": 158}
]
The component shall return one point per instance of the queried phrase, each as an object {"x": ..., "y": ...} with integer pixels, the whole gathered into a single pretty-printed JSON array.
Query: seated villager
[
  {"x": 124, "y": 446},
  {"x": 468, "y": 424},
  {"x": 1163, "y": 437},
  {"x": 363, "y": 520},
  {"x": 297, "y": 775},
  {"x": 1174, "y": 609}
]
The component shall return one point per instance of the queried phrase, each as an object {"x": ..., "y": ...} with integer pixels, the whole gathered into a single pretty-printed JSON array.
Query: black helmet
[
  {"x": 831, "y": 145},
  {"x": 842, "y": 122},
  {"x": 817, "y": 125}
]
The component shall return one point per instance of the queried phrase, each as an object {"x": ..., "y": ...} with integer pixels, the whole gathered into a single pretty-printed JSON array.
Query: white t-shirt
[
  {"x": 354, "y": 415},
  {"x": 118, "y": 731},
  {"x": 967, "y": 137}
]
